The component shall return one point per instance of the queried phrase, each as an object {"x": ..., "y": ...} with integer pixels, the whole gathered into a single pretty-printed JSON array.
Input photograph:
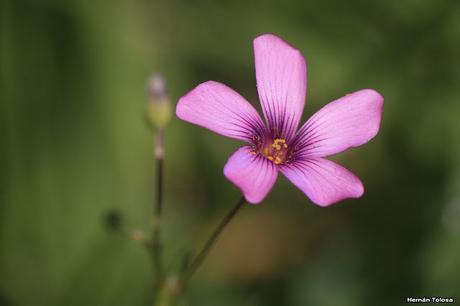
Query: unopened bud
[
  {"x": 169, "y": 292},
  {"x": 159, "y": 106},
  {"x": 137, "y": 235},
  {"x": 173, "y": 285},
  {"x": 113, "y": 220}
]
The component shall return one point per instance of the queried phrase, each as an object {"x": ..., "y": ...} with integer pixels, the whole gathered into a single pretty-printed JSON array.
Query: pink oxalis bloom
[{"x": 277, "y": 145}]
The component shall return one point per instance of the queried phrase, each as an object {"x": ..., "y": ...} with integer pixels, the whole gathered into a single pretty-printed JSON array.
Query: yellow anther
[{"x": 275, "y": 151}]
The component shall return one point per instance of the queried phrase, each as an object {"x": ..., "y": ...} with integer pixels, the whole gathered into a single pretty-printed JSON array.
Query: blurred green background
[{"x": 74, "y": 145}]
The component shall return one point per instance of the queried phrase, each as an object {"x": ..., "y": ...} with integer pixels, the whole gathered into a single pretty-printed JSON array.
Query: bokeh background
[{"x": 74, "y": 145}]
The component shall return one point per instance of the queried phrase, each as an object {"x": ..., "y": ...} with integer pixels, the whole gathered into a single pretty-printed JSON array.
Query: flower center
[{"x": 277, "y": 150}]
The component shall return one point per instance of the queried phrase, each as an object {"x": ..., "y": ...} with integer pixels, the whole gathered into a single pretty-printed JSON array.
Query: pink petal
[
  {"x": 222, "y": 110},
  {"x": 347, "y": 122},
  {"x": 323, "y": 181},
  {"x": 281, "y": 82},
  {"x": 253, "y": 174}
]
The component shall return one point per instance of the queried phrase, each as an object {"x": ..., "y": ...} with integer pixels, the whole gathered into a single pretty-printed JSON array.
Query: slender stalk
[
  {"x": 159, "y": 157},
  {"x": 198, "y": 260},
  {"x": 157, "y": 209}
]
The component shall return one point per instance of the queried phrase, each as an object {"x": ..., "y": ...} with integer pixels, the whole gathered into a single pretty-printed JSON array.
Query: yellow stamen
[{"x": 276, "y": 151}]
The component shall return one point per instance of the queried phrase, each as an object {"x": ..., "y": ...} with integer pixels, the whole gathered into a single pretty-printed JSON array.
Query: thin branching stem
[{"x": 198, "y": 260}]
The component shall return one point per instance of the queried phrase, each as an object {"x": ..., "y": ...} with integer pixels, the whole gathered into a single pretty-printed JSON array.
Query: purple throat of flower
[{"x": 274, "y": 149}]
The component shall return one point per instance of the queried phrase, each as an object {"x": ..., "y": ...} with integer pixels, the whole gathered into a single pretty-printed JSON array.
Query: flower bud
[
  {"x": 113, "y": 220},
  {"x": 159, "y": 105}
]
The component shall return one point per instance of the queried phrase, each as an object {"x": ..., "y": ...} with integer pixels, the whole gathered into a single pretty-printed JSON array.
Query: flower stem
[
  {"x": 198, "y": 260},
  {"x": 157, "y": 209}
]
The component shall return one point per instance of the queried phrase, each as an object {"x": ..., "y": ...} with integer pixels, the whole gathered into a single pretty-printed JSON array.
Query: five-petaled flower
[{"x": 276, "y": 145}]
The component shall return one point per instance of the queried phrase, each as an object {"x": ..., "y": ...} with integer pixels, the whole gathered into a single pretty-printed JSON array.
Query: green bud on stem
[{"x": 159, "y": 106}]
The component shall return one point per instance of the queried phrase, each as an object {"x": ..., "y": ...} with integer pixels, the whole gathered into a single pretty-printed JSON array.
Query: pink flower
[{"x": 276, "y": 145}]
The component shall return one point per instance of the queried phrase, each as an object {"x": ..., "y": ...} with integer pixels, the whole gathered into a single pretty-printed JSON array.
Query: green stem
[
  {"x": 198, "y": 260},
  {"x": 157, "y": 209}
]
